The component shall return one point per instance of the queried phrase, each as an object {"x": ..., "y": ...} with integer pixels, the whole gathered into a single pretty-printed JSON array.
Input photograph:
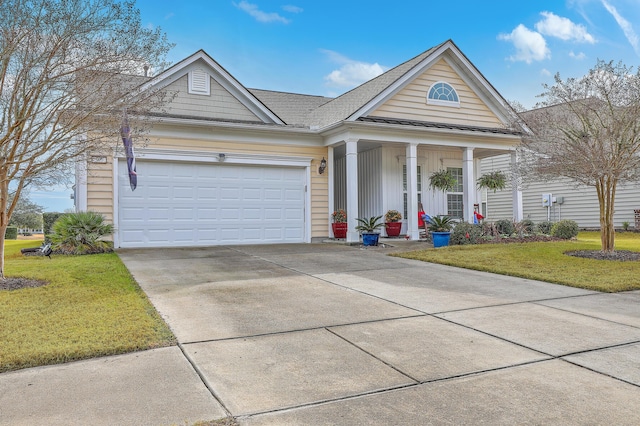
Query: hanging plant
[
  {"x": 495, "y": 180},
  {"x": 442, "y": 180}
]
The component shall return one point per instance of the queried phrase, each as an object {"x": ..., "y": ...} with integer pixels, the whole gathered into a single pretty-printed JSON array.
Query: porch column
[
  {"x": 331, "y": 186},
  {"x": 516, "y": 191},
  {"x": 412, "y": 192},
  {"x": 468, "y": 184},
  {"x": 353, "y": 236}
]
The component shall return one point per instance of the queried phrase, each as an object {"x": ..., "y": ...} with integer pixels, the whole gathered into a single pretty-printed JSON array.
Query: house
[{"x": 232, "y": 165}]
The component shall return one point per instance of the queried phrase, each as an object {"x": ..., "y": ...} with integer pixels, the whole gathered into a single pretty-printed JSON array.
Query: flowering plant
[
  {"x": 393, "y": 216},
  {"x": 339, "y": 216}
]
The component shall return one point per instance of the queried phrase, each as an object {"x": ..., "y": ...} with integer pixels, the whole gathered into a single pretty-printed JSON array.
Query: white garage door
[{"x": 197, "y": 204}]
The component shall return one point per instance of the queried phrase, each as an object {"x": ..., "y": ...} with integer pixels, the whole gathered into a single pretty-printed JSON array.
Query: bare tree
[
  {"x": 67, "y": 70},
  {"x": 588, "y": 130}
]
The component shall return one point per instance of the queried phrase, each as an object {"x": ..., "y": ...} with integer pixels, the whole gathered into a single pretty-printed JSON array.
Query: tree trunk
[
  {"x": 3, "y": 229},
  {"x": 606, "y": 189}
]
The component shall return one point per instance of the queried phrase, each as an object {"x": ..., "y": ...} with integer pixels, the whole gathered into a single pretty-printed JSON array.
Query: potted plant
[
  {"x": 495, "y": 180},
  {"x": 440, "y": 227},
  {"x": 339, "y": 225},
  {"x": 442, "y": 180},
  {"x": 367, "y": 228},
  {"x": 392, "y": 223}
]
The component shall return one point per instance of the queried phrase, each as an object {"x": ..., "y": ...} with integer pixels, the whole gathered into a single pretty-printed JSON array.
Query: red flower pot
[
  {"x": 339, "y": 230},
  {"x": 393, "y": 228}
]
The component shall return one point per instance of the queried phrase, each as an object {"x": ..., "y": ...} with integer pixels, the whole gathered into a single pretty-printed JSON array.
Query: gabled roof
[
  {"x": 222, "y": 76},
  {"x": 291, "y": 107},
  {"x": 360, "y": 101},
  {"x": 344, "y": 106}
]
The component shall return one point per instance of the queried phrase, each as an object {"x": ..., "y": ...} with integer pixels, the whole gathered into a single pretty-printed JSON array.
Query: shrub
[
  {"x": 528, "y": 226},
  {"x": 545, "y": 227},
  {"x": 625, "y": 226},
  {"x": 11, "y": 233},
  {"x": 48, "y": 219},
  {"x": 565, "y": 229},
  {"x": 81, "y": 233},
  {"x": 466, "y": 233},
  {"x": 505, "y": 227}
]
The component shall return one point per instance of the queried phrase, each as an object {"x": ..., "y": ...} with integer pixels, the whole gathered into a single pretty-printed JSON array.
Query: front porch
[{"x": 368, "y": 178}]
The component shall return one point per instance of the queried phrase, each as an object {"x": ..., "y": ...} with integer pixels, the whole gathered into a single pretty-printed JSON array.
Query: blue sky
[{"x": 328, "y": 47}]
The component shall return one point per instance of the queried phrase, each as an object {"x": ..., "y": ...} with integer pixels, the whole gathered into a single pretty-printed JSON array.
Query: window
[
  {"x": 455, "y": 197},
  {"x": 404, "y": 188},
  {"x": 442, "y": 93}
]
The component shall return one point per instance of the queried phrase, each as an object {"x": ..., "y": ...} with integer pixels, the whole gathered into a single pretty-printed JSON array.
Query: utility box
[{"x": 547, "y": 200}]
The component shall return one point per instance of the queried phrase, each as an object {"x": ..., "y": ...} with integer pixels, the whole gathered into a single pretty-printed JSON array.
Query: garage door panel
[{"x": 203, "y": 204}]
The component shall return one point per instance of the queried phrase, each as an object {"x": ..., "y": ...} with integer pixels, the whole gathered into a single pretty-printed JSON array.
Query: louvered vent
[{"x": 199, "y": 82}]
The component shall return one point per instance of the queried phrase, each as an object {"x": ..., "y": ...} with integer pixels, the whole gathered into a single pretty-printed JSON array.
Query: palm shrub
[
  {"x": 81, "y": 233},
  {"x": 466, "y": 233},
  {"x": 565, "y": 229},
  {"x": 368, "y": 225}
]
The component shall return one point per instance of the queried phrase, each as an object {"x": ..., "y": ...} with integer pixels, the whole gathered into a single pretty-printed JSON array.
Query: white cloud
[
  {"x": 562, "y": 28},
  {"x": 169, "y": 15},
  {"x": 292, "y": 9},
  {"x": 626, "y": 26},
  {"x": 259, "y": 15},
  {"x": 545, "y": 72},
  {"x": 579, "y": 56},
  {"x": 351, "y": 73},
  {"x": 530, "y": 45}
]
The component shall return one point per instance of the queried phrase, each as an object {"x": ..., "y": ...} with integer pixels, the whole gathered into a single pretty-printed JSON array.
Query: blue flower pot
[
  {"x": 440, "y": 239},
  {"x": 370, "y": 239}
]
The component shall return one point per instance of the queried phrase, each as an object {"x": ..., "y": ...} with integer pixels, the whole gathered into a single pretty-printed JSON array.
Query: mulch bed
[
  {"x": 620, "y": 255},
  {"x": 16, "y": 283}
]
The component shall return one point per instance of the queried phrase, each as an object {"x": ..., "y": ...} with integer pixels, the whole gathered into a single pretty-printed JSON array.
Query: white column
[
  {"x": 353, "y": 236},
  {"x": 331, "y": 186},
  {"x": 412, "y": 192},
  {"x": 468, "y": 184},
  {"x": 515, "y": 188}
]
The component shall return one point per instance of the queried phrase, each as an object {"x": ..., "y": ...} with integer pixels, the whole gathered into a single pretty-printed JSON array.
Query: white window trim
[{"x": 440, "y": 102}]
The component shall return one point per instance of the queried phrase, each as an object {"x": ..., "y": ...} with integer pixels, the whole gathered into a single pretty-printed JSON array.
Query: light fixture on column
[{"x": 323, "y": 166}]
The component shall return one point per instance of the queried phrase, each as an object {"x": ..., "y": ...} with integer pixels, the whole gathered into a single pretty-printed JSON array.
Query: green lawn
[
  {"x": 91, "y": 307},
  {"x": 546, "y": 261}
]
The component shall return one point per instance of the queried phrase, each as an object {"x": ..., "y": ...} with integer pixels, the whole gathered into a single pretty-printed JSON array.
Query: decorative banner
[{"x": 125, "y": 132}]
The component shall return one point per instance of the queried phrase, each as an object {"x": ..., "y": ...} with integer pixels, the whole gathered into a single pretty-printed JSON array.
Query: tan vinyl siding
[
  {"x": 100, "y": 179},
  {"x": 219, "y": 104},
  {"x": 411, "y": 102},
  {"x": 100, "y": 188}
]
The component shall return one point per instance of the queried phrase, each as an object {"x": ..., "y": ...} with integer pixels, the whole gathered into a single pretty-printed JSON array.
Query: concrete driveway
[{"x": 330, "y": 334}]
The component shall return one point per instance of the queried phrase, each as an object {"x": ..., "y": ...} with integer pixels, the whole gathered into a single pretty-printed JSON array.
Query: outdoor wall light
[
  {"x": 221, "y": 157},
  {"x": 323, "y": 166}
]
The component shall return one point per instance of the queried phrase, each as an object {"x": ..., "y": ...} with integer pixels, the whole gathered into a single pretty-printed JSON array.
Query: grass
[
  {"x": 91, "y": 307},
  {"x": 546, "y": 261}
]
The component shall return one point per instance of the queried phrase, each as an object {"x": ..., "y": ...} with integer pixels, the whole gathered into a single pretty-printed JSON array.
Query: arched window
[{"x": 442, "y": 93}]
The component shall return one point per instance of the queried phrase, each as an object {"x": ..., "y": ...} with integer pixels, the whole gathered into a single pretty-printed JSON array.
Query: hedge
[{"x": 11, "y": 233}]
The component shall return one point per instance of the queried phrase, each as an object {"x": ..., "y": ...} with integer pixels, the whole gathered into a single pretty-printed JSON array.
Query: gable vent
[{"x": 199, "y": 82}]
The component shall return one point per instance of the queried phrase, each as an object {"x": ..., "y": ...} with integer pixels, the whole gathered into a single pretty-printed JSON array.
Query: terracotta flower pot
[
  {"x": 393, "y": 228},
  {"x": 339, "y": 230}
]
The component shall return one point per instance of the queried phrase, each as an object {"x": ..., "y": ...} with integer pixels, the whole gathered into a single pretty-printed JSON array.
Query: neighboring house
[
  {"x": 231, "y": 165},
  {"x": 556, "y": 199}
]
